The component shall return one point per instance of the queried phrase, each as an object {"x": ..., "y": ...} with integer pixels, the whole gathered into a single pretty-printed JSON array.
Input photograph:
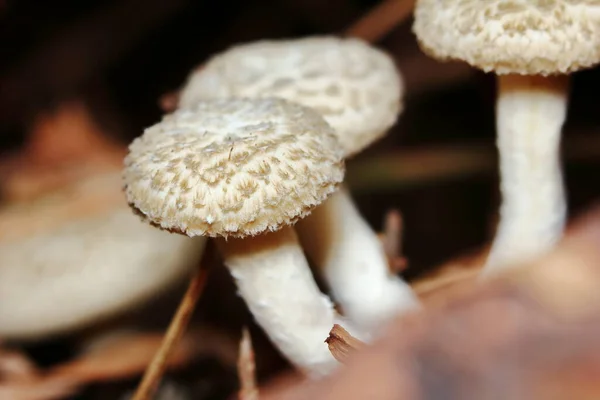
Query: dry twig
[
  {"x": 381, "y": 20},
  {"x": 391, "y": 239},
  {"x": 247, "y": 368},
  {"x": 178, "y": 324}
]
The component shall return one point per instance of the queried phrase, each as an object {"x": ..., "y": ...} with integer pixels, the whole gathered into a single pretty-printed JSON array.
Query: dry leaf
[
  {"x": 37, "y": 390},
  {"x": 16, "y": 367},
  {"x": 64, "y": 145},
  {"x": 129, "y": 355}
]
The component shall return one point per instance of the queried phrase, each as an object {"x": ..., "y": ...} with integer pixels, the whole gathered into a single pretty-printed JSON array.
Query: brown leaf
[
  {"x": 64, "y": 145},
  {"x": 128, "y": 356},
  {"x": 391, "y": 240},
  {"x": 36, "y": 390},
  {"x": 16, "y": 367}
]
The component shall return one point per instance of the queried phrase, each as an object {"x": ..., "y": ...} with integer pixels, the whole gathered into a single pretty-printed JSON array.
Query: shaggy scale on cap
[
  {"x": 356, "y": 87},
  {"x": 233, "y": 167},
  {"x": 528, "y": 37}
]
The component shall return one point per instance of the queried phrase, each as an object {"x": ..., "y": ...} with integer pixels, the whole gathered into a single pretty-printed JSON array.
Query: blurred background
[{"x": 76, "y": 76}]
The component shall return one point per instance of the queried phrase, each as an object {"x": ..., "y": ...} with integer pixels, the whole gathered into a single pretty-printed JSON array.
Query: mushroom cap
[
  {"x": 78, "y": 255},
  {"x": 356, "y": 87},
  {"x": 233, "y": 167},
  {"x": 527, "y": 37}
]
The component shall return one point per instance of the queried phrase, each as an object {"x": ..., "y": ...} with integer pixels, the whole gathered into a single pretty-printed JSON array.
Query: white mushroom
[
  {"x": 528, "y": 44},
  {"x": 77, "y": 255},
  {"x": 357, "y": 89},
  {"x": 244, "y": 170},
  {"x": 353, "y": 85}
]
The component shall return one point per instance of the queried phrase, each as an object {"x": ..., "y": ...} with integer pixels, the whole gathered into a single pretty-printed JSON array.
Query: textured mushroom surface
[
  {"x": 528, "y": 37},
  {"x": 356, "y": 87},
  {"x": 233, "y": 167},
  {"x": 74, "y": 256}
]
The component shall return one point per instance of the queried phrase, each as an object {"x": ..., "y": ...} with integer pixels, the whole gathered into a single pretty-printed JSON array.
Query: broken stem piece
[{"x": 341, "y": 343}]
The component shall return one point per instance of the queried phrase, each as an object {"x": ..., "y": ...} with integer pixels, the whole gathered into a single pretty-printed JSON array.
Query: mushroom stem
[
  {"x": 275, "y": 280},
  {"x": 353, "y": 261},
  {"x": 530, "y": 113}
]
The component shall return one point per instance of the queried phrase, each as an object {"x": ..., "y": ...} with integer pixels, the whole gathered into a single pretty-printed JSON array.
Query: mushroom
[
  {"x": 531, "y": 46},
  {"x": 243, "y": 171},
  {"x": 77, "y": 255},
  {"x": 357, "y": 89}
]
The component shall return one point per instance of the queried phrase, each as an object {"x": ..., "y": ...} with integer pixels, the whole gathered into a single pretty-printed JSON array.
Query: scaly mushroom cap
[
  {"x": 233, "y": 167},
  {"x": 528, "y": 37},
  {"x": 78, "y": 255},
  {"x": 356, "y": 87}
]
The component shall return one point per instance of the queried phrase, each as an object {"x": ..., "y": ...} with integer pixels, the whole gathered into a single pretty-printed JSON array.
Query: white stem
[
  {"x": 275, "y": 280},
  {"x": 343, "y": 245},
  {"x": 530, "y": 113}
]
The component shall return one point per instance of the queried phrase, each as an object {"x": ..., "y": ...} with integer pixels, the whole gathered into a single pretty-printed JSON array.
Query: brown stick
[
  {"x": 178, "y": 324},
  {"x": 381, "y": 20},
  {"x": 247, "y": 368},
  {"x": 392, "y": 241}
]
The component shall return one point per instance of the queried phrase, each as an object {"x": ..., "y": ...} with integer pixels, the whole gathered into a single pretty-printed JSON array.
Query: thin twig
[
  {"x": 393, "y": 233},
  {"x": 392, "y": 241},
  {"x": 381, "y": 20},
  {"x": 341, "y": 343},
  {"x": 247, "y": 368},
  {"x": 155, "y": 370}
]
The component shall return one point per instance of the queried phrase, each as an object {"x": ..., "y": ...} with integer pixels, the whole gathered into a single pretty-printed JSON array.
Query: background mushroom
[
  {"x": 528, "y": 44},
  {"x": 77, "y": 255},
  {"x": 243, "y": 170},
  {"x": 357, "y": 89}
]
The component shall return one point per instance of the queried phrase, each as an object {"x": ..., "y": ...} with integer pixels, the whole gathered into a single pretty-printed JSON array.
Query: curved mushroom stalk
[
  {"x": 530, "y": 114},
  {"x": 274, "y": 278},
  {"x": 349, "y": 253}
]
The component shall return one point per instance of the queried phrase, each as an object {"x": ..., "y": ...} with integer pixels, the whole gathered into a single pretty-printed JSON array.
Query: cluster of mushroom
[{"x": 253, "y": 156}]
